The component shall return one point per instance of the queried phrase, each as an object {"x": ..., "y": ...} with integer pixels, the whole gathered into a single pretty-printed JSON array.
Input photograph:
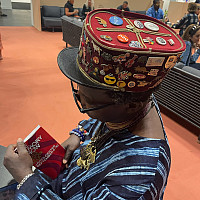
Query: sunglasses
[{"x": 77, "y": 100}]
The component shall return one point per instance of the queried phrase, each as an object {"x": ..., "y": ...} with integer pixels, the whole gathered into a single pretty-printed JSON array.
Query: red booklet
[{"x": 47, "y": 154}]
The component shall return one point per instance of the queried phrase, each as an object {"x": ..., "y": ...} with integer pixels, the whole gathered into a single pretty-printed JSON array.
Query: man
[
  {"x": 125, "y": 152},
  {"x": 155, "y": 11},
  {"x": 69, "y": 9},
  {"x": 190, "y": 18},
  {"x": 1, "y": 14},
  {"x": 124, "y": 6}
]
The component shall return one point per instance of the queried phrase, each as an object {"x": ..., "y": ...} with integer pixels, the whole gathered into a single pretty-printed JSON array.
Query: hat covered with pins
[{"x": 122, "y": 51}]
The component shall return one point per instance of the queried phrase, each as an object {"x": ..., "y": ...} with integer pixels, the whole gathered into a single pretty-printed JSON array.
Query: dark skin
[
  {"x": 156, "y": 5},
  {"x": 20, "y": 165}
]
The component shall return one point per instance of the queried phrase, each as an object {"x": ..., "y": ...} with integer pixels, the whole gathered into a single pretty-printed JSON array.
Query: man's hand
[
  {"x": 18, "y": 164},
  {"x": 75, "y": 11},
  {"x": 70, "y": 145}
]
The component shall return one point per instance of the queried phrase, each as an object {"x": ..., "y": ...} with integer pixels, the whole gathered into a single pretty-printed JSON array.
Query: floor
[
  {"x": 16, "y": 17},
  {"x": 33, "y": 91}
]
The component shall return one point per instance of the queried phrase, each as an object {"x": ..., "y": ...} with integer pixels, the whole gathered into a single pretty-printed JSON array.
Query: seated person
[
  {"x": 124, "y": 6},
  {"x": 125, "y": 152},
  {"x": 155, "y": 11},
  {"x": 192, "y": 41},
  {"x": 190, "y": 18},
  {"x": 87, "y": 7},
  {"x": 69, "y": 9}
]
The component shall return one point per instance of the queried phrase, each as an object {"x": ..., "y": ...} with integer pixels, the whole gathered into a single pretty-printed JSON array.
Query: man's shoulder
[
  {"x": 150, "y": 9},
  {"x": 160, "y": 10},
  {"x": 119, "y": 7},
  {"x": 67, "y": 5}
]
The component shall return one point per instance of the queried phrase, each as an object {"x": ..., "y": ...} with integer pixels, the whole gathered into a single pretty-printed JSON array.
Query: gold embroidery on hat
[{"x": 132, "y": 51}]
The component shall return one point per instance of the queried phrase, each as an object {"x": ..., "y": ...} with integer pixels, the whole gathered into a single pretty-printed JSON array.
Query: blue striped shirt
[{"x": 126, "y": 167}]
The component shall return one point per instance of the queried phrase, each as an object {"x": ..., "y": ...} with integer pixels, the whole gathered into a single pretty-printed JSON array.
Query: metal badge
[
  {"x": 101, "y": 21},
  {"x": 96, "y": 60},
  {"x": 142, "y": 83},
  {"x": 106, "y": 37},
  {"x": 139, "y": 76},
  {"x": 120, "y": 58},
  {"x": 122, "y": 38},
  {"x": 130, "y": 62},
  {"x": 96, "y": 48},
  {"x": 155, "y": 61},
  {"x": 106, "y": 56},
  {"x": 135, "y": 44},
  {"x": 131, "y": 84},
  {"x": 141, "y": 69},
  {"x": 117, "y": 21},
  {"x": 109, "y": 79},
  {"x": 161, "y": 41},
  {"x": 124, "y": 75},
  {"x": 151, "y": 26},
  {"x": 121, "y": 84},
  {"x": 148, "y": 40},
  {"x": 153, "y": 72},
  {"x": 102, "y": 72},
  {"x": 138, "y": 24},
  {"x": 171, "y": 42},
  {"x": 171, "y": 61},
  {"x": 106, "y": 67}
]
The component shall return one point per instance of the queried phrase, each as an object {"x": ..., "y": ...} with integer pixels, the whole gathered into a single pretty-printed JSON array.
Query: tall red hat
[{"x": 122, "y": 51}]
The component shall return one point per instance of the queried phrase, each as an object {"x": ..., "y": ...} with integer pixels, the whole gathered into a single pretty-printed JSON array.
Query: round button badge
[
  {"x": 161, "y": 41},
  {"x": 117, "y": 21},
  {"x": 122, "y": 38},
  {"x": 151, "y": 26},
  {"x": 138, "y": 24}
]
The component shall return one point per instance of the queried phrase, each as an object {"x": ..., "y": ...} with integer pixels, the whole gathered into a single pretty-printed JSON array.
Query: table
[{"x": 72, "y": 29}]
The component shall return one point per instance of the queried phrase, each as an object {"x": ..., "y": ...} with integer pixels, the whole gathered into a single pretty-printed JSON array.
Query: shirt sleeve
[
  {"x": 149, "y": 12},
  {"x": 144, "y": 191},
  {"x": 65, "y": 5},
  {"x": 186, "y": 54},
  {"x": 40, "y": 186},
  {"x": 181, "y": 23},
  {"x": 161, "y": 14}
]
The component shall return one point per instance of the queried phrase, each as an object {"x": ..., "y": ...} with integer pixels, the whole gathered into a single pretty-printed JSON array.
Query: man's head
[
  {"x": 108, "y": 106},
  {"x": 125, "y": 4},
  {"x": 71, "y": 1},
  {"x": 121, "y": 68},
  {"x": 192, "y": 8},
  {"x": 156, "y": 4}
]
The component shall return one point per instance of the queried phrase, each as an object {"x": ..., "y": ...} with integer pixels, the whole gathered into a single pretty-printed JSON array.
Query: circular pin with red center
[{"x": 122, "y": 38}]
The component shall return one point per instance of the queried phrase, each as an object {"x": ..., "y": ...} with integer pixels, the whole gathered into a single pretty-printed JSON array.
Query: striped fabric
[
  {"x": 126, "y": 167},
  {"x": 190, "y": 18}
]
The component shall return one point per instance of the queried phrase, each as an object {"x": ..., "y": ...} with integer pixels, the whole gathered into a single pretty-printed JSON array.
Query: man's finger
[
  {"x": 10, "y": 150},
  {"x": 21, "y": 148}
]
